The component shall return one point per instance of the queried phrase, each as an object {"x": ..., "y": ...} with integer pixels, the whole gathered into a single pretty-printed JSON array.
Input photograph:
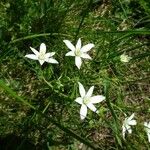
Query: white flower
[
  {"x": 78, "y": 51},
  {"x": 147, "y": 129},
  {"x": 86, "y": 100},
  {"x": 42, "y": 56},
  {"x": 125, "y": 58},
  {"x": 127, "y": 123}
]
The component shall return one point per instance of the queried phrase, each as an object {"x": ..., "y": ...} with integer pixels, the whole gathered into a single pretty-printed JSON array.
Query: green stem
[{"x": 39, "y": 35}]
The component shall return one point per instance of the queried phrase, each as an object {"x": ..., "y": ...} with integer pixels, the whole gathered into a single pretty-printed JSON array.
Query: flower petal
[
  {"x": 78, "y": 45},
  {"x": 83, "y": 112},
  {"x": 34, "y": 51},
  {"x": 79, "y": 100},
  {"x": 146, "y": 124},
  {"x": 32, "y": 56},
  {"x": 132, "y": 122},
  {"x": 71, "y": 53},
  {"x": 90, "y": 92},
  {"x": 123, "y": 131},
  {"x": 51, "y": 60},
  {"x": 41, "y": 62},
  {"x": 129, "y": 130},
  {"x": 81, "y": 90},
  {"x": 127, "y": 126},
  {"x": 69, "y": 45},
  {"x": 91, "y": 107},
  {"x": 43, "y": 48},
  {"x": 148, "y": 134},
  {"x": 87, "y": 47},
  {"x": 97, "y": 99},
  {"x": 131, "y": 117},
  {"x": 86, "y": 56},
  {"x": 78, "y": 61},
  {"x": 47, "y": 55}
]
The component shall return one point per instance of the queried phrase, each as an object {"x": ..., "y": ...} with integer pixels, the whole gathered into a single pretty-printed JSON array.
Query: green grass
[{"x": 37, "y": 104}]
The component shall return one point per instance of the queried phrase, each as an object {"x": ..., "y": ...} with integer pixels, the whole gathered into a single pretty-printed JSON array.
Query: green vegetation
[{"x": 37, "y": 103}]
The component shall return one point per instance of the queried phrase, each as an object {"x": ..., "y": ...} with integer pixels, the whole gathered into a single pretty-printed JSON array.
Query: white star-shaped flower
[
  {"x": 127, "y": 123},
  {"x": 42, "y": 56},
  {"x": 125, "y": 58},
  {"x": 87, "y": 100},
  {"x": 147, "y": 129},
  {"x": 78, "y": 51}
]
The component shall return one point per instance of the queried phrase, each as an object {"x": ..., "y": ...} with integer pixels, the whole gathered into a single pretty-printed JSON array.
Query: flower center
[
  {"x": 41, "y": 56},
  {"x": 77, "y": 52},
  {"x": 86, "y": 100}
]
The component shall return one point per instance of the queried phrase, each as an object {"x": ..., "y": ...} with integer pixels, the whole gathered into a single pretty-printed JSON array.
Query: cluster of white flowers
[
  {"x": 78, "y": 51},
  {"x": 86, "y": 100}
]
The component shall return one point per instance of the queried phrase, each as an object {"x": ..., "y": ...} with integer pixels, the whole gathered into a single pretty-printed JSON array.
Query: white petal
[
  {"x": 32, "y": 56},
  {"x": 131, "y": 117},
  {"x": 132, "y": 122},
  {"x": 78, "y": 62},
  {"x": 90, "y": 92},
  {"x": 86, "y": 56},
  {"x": 47, "y": 55},
  {"x": 91, "y": 107},
  {"x": 129, "y": 130},
  {"x": 146, "y": 124},
  {"x": 78, "y": 45},
  {"x": 43, "y": 48},
  {"x": 148, "y": 137},
  {"x": 79, "y": 100},
  {"x": 41, "y": 62},
  {"x": 34, "y": 51},
  {"x": 123, "y": 131},
  {"x": 83, "y": 112},
  {"x": 69, "y": 45},
  {"x": 81, "y": 90},
  {"x": 87, "y": 47},
  {"x": 127, "y": 127},
  {"x": 147, "y": 127},
  {"x": 51, "y": 60},
  {"x": 71, "y": 53},
  {"x": 97, "y": 99}
]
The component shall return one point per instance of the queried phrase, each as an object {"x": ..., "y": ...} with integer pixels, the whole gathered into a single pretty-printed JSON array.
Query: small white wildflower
[
  {"x": 87, "y": 100},
  {"x": 147, "y": 129},
  {"x": 42, "y": 56},
  {"x": 78, "y": 51},
  {"x": 125, "y": 58},
  {"x": 127, "y": 123}
]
